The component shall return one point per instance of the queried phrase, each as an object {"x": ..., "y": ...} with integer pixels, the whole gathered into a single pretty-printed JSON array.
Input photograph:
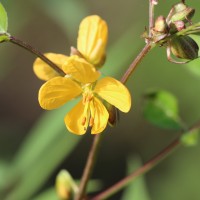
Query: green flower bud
[
  {"x": 180, "y": 12},
  {"x": 177, "y": 26},
  {"x": 160, "y": 29},
  {"x": 184, "y": 15},
  {"x": 184, "y": 47},
  {"x": 65, "y": 185},
  {"x": 160, "y": 25},
  {"x": 179, "y": 7}
]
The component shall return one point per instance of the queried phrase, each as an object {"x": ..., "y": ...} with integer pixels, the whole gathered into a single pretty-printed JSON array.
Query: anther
[
  {"x": 83, "y": 121},
  {"x": 90, "y": 97},
  {"x": 91, "y": 121}
]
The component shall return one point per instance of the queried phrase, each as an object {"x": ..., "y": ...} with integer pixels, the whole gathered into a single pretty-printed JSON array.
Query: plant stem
[
  {"x": 135, "y": 63},
  {"x": 36, "y": 52},
  {"x": 92, "y": 155},
  {"x": 146, "y": 48},
  {"x": 89, "y": 166},
  {"x": 151, "y": 16},
  {"x": 145, "y": 168},
  {"x": 93, "y": 152}
]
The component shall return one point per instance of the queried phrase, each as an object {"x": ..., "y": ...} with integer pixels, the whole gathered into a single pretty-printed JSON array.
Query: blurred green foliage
[
  {"x": 3, "y": 19},
  {"x": 137, "y": 189},
  {"x": 161, "y": 109},
  {"x": 190, "y": 138},
  {"x": 35, "y": 144}
]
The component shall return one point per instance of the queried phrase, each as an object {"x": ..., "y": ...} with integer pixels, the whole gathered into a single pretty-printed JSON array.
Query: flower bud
[
  {"x": 92, "y": 39},
  {"x": 65, "y": 186},
  {"x": 160, "y": 25},
  {"x": 177, "y": 26},
  {"x": 184, "y": 47},
  {"x": 179, "y": 7},
  {"x": 180, "y": 12},
  {"x": 155, "y": 2}
]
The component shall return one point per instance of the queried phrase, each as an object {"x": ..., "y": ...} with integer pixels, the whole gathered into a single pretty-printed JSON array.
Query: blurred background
[{"x": 35, "y": 145}]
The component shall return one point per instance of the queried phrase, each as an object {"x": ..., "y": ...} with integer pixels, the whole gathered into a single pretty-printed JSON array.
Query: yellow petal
[
  {"x": 80, "y": 70},
  {"x": 100, "y": 116},
  {"x": 114, "y": 92},
  {"x": 44, "y": 71},
  {"x": 57, "y": 91},
  {"x": 92, "y": 38},
  {"x": 74, "y": 120}
]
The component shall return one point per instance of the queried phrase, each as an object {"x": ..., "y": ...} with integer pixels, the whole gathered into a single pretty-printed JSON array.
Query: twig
[
  {"x": 92, "y": 155},
  {"x": 145, "y": 168},
  {"x": 151, "y": 16},
  {"x": 36, "y": 52},
  {"x": 89, "y": 167}
]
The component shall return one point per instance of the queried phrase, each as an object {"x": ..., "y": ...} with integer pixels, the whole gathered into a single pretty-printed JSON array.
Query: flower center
[{"x": 88, "y": 115}]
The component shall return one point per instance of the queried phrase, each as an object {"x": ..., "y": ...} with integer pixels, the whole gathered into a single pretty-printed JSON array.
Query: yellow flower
[
  {"x": 91, "y": 43},
  {"x": 82, "y": 79},
  {"x": 92, "y": 39}
]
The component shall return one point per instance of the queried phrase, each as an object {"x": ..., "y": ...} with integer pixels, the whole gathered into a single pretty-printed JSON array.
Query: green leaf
[
  {"x": 49, "y": 194},
  {"x": 3, "y": 19},
  {"x": 161, "y": 109},
  {"x": 46, "y": 146},
  {"x": 190, "y": 138},
  {"x": 3, "y": 167},
  {"x": 137, "y": 189}
]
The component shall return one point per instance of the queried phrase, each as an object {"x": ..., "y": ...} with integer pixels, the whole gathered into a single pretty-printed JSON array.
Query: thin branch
[
  {"x": 37, "y": 53},
  {"x": 92, "y": 155},
  {"x": 89, "y": 167},
  {"x": 143, "y": 169},
  {"x": 93, "y": 151},
  {"x": 151, "y": 16}
]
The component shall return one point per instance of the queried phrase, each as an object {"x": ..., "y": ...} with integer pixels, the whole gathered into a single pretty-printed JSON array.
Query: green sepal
[
  {"x": 4, "y": 37},
  {"x": 180, "y": 12},
  {"x": 160, "y": 25},
  {"x": 192, "y": 29}
]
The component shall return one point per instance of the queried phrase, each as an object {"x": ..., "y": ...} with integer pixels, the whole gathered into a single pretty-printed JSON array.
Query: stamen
[
  {"x": 87, "y": 97},
  {"x": 83, "y": 121},
  {"x": 84, "y": 99},
  {"x": 92, "y": 113},
  {"x": 90, "y": 97},
  {"x": 91, "y": 121}
]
